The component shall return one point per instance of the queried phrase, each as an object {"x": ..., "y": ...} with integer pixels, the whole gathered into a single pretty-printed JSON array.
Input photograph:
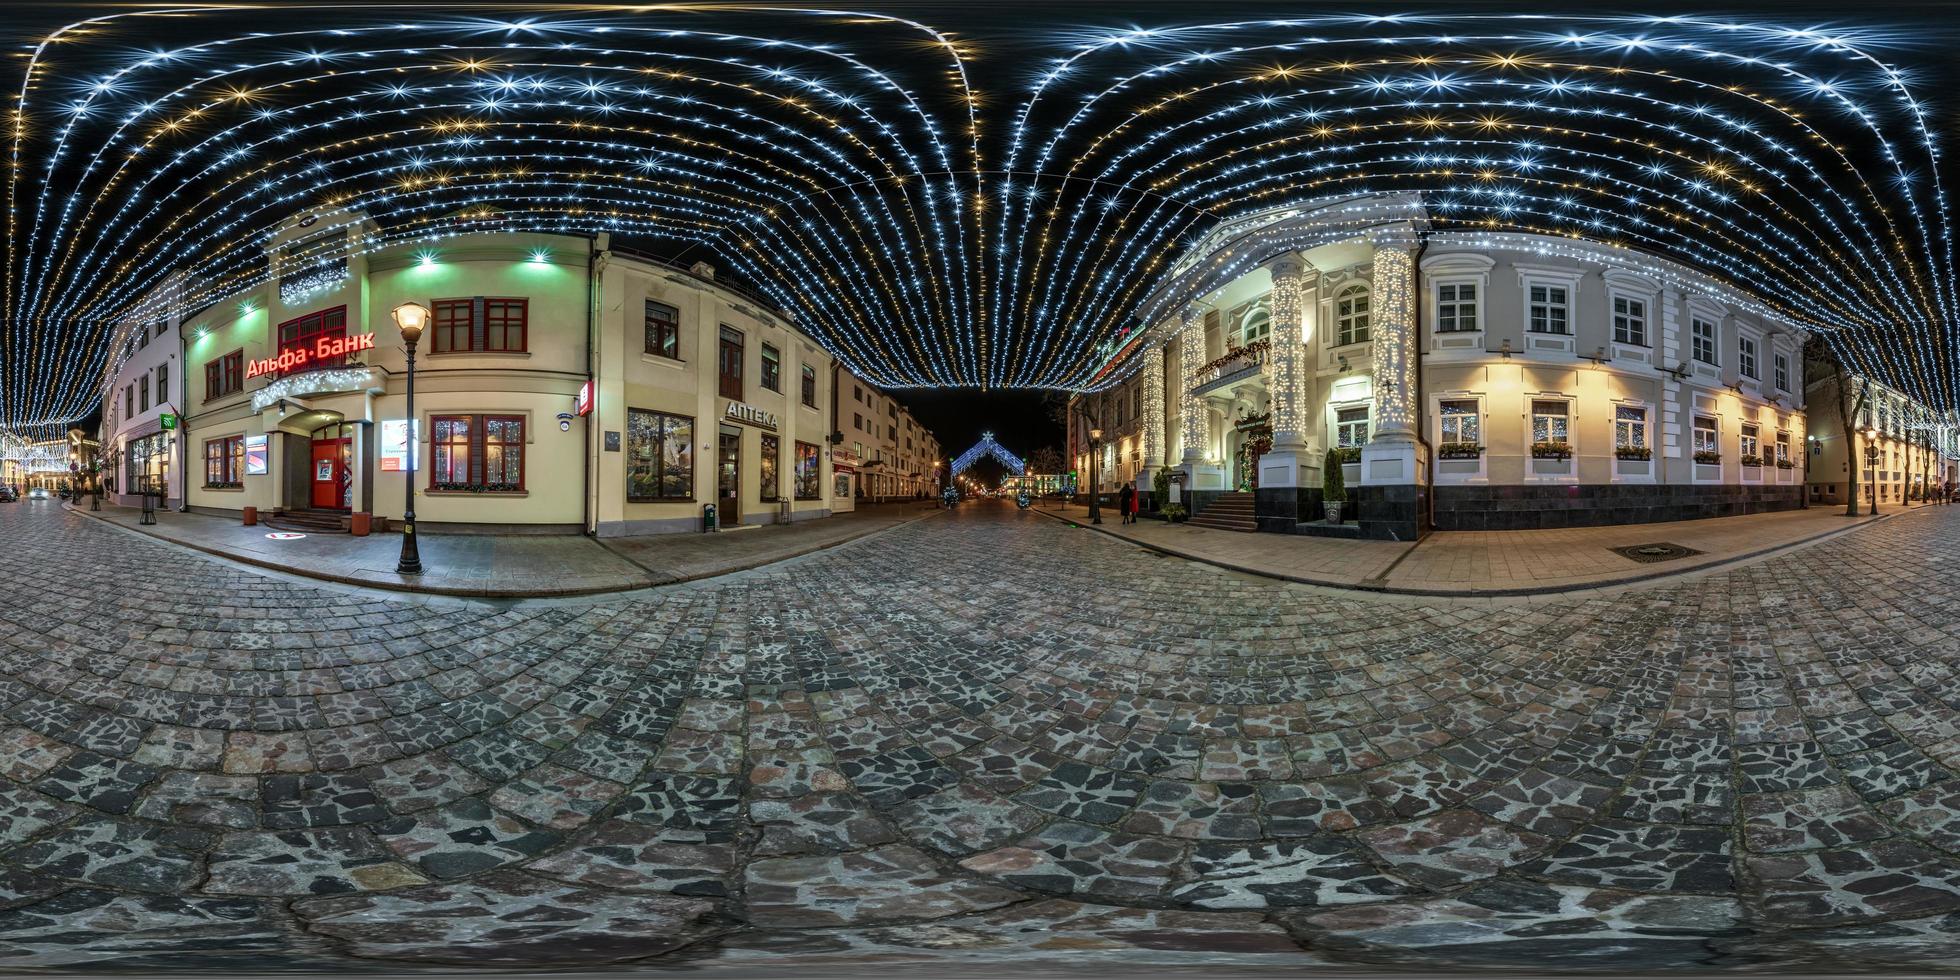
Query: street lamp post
[
  {"x": 412, "y": 318},
  {"x": 1095, "y": 475},
  {"x": 1871, "y": 466}
]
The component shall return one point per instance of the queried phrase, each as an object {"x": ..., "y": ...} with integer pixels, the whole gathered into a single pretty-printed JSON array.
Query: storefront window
[
  {"x": 809, "y": 472},
  {"x": 147, "y": 464},
  {"x": 772, "y": 447},
  {"x": 479, "y": 453},
  {"x": 659, "y": 456},
  {"x": 224, "y": 462},
  {"x": 1549, "y": 422},
  {"x": 449, "y": 444}
]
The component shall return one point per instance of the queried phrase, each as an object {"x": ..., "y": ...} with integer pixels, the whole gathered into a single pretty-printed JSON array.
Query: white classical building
[{"x": 1467, "y": 380}]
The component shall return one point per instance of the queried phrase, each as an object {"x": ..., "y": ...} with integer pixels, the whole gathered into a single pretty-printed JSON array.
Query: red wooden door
[{"x": 330, "y": 474}]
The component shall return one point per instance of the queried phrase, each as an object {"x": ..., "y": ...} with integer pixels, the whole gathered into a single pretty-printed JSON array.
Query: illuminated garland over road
[
  {"x": 988, "y": 447},
  {"x": 948, "y": 211}
]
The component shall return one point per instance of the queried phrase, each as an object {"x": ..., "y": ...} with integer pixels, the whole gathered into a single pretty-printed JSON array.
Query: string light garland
[
  {"x": 939, "y": 220},
  {"x": 988, "y": 447}
]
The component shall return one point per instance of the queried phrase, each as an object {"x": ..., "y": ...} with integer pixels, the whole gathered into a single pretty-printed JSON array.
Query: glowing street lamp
[{"x": 412, "y": 318}]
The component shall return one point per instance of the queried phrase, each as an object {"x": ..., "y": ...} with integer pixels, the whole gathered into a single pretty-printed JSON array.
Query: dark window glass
[
  {"x": 663, "y": 330},
  {"x": 772, "y": 369},
  {"x": 659, "y": 456},
  {"x": 731, "y": 363},
  {"x": 809, "y": 386},
  {"x": 771, "y": 450}
]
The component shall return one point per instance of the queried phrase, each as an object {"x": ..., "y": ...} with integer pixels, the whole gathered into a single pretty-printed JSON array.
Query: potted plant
[
  {"x": 1633, "y": 452},
  {"x": 1173, "y": 513},
  {"x": 1458, "y": 450},
  {"x": 1551, "y": 450},
  {"x": 1785, "y": 464},
  {"x": 1707, "y": 456},
  {"x": 1333, "y": 486},
  {"x": 1160, "y": 487},
  {"x": 1751, "y": 459}
]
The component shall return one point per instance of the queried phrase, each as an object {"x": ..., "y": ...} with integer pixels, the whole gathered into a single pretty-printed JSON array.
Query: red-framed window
[
  {"x": 224, "y": 462},
  {"x": 730, "y": 363},
  {"x": 302, "y": 332},
  {"x": 476, "y": 453},
  {"x": 495, "y": 324},
  {"x": 663, "y": 324},
  {"x": 224, "y": 375}
]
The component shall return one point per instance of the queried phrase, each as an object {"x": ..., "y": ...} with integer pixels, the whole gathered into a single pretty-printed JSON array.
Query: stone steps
[{"x": 1230, "y": 512}]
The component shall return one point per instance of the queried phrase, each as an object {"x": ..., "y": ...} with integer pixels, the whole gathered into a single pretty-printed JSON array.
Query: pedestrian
[{"x": 1128, "y": 501}]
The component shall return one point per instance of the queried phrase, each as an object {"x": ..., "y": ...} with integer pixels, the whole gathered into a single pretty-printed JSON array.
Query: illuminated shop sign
[
  {"x": 323, "y": 349},
  {"x": 397, "y": 450},
  {"x": 583, "y": 405},
  {"x": 255, "y": 458},
  {"x": 741, "y": 412}
]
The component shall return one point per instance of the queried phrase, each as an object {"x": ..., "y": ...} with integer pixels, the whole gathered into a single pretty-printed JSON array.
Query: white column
[
  {"x": 1390, "y": 456},
  {"x": 1191, "y": 354},
  {"x": 1281, "y": 467}
]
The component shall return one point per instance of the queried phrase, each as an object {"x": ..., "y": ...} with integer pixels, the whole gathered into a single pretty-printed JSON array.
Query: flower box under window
[
  {"x": 225, "y": 485},
  {"x": 477, "y": 488},
  {"x": 1458, "y": 450},
  {"x": 1749, "y": 459},
  {"x": 1784, "y": 464},
  {"x": 1348, "y": 454},
  {"x": 1707, "y": 456},
  {"x": 1551, "y": 450},
  {"x": 1633, "y": 452}
]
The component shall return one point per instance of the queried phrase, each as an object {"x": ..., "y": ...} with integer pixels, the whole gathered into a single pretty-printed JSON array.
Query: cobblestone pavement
[{"x": 979, "y": 738}]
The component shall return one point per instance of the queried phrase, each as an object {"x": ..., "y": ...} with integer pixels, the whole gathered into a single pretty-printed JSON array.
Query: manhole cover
[{"x": 1661, "y": 551}]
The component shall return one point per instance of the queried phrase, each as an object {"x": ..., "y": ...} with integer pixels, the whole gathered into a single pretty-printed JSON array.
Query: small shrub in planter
[
  {"x": 1333, "y": 485},
  {"x": 1751, "y": 460},
  {"x": 1173, "y": 513},
  {"x": 1347, "y": 454},
  {"x": 1458, "y": 450},
  {"x": 1707, "y": 456},
  {"x": 1551, "y": 450},
  {"x": 1634, "y": 452},
  {"x": 1784, "y": 464}
]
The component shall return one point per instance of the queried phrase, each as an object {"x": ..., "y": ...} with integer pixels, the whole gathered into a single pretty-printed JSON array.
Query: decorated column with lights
[
  {"x": 1153, "y": 419},
  {"x": 1281, "y": 470},
  {"x": 1389, "y": 461},
  {"x": 1191, "y": 355}
]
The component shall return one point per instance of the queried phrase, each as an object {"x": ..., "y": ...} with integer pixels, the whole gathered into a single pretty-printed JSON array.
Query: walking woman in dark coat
[{"x": 1128, "y": 500}]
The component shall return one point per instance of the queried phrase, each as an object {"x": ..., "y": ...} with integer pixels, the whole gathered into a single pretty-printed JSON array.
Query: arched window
[
  {"x": 1351, "y": 315},
  {"x": 1257, "y": 326}
]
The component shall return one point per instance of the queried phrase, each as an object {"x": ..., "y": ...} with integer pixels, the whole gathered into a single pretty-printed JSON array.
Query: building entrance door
[
  {"x": 728, "y": 476},
  {"x": 333, "y": 469}
]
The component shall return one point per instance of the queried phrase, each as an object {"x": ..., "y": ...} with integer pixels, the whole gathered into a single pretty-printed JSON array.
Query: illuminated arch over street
[
  {"x": 985, "y": 448},
  {"x": 944, "y": 207}
]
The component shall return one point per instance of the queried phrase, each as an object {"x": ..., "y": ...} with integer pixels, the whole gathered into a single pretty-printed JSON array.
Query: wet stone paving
[{"x": 979, "y": 738}]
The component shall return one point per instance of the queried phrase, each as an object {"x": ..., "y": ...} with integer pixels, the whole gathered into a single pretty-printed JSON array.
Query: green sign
[{"x": 168, "y": 420}]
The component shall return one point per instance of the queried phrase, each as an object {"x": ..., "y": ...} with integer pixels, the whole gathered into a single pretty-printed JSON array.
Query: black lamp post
[
  {"x": 1095, "y": 475},
  {"x": 411, "y": 318},
  {"x": 1871, "y": 466}
]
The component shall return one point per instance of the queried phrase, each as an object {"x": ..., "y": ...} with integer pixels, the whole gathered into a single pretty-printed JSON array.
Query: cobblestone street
[{"x": 977, "y": 738}]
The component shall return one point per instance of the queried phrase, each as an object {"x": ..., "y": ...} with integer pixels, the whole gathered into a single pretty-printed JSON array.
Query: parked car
[
  {"x": 38, "y": 493},
  {"x": 8, "y": 495}
]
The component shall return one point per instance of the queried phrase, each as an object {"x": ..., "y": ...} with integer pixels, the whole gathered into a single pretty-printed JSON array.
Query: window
[
  {"x": 1782, "y": 447},
  {"x": 891, "y": 432},
  {"x": 1257, "y": 326},
  {"x": 772, "y": 448},
  {"x": 1461, "y": 422},
  {"x": 1629, "y": 427},
  {"x": 480, "y": 323},
  {"x": 225, "y": 375},
  {"x": 1351, "y": 426},
  {"x": 224, "y": 462},
  {"x": 163, "y": 384},
  {"x": 1704, "y": 338},
  {"x": 809, "y": 386},
  {"x": 1746, "y": 362},
  {"x": 1550, "y": 422},
  {"x": 301, "y": 333},
  {"x": 659, "y": 456},
  {"x": 1751, "y": 442},
  {"x": 129, "y": 400},
  {"x": 663, "y": 330},
  {"x": 772, "y": 369},
  {"x": 808, "y": 472},
  {"x": 1629, "y": 321},
  {"x": 1706, "y": 437},
  {"x": 857, "y": 421},
  {"x": 144, "y": 402},
  {"x": 476, "y": 452},
  {"x": 1782, "y": 368},
  {"x": 1549, "y": 313},
  {"x": 142, "y": 339},
  {"x": 1351, "y": 316},
  {"x": 1456, "y": 307},
  {"x": 731, "y": 363},
  {"x": 857, "y": 393}
]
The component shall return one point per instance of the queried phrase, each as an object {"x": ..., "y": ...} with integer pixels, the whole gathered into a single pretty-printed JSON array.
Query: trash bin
[
  {"x": 251, "y": 517},
  {"x": 709, "y": 519},
  {"x": 357, "y": 524}
]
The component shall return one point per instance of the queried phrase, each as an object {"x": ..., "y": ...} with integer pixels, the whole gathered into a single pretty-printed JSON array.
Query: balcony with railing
[{"x": 1237, "y": 365}]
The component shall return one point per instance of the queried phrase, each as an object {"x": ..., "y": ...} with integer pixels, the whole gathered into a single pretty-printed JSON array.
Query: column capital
[
  {"x": 1402, "y": 237},
  {"x": 1288, "y": 264}
]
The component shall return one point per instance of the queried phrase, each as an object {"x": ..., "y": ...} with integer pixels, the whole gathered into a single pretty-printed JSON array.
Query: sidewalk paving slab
[
  {"x": 511, "y": 566},
  {"x": 1485, "y": 563}
]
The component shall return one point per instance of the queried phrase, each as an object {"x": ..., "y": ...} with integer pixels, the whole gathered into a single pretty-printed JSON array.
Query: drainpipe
[
  {"x": 183, "y": 427},
  {"x": 591, "y": 452}
]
